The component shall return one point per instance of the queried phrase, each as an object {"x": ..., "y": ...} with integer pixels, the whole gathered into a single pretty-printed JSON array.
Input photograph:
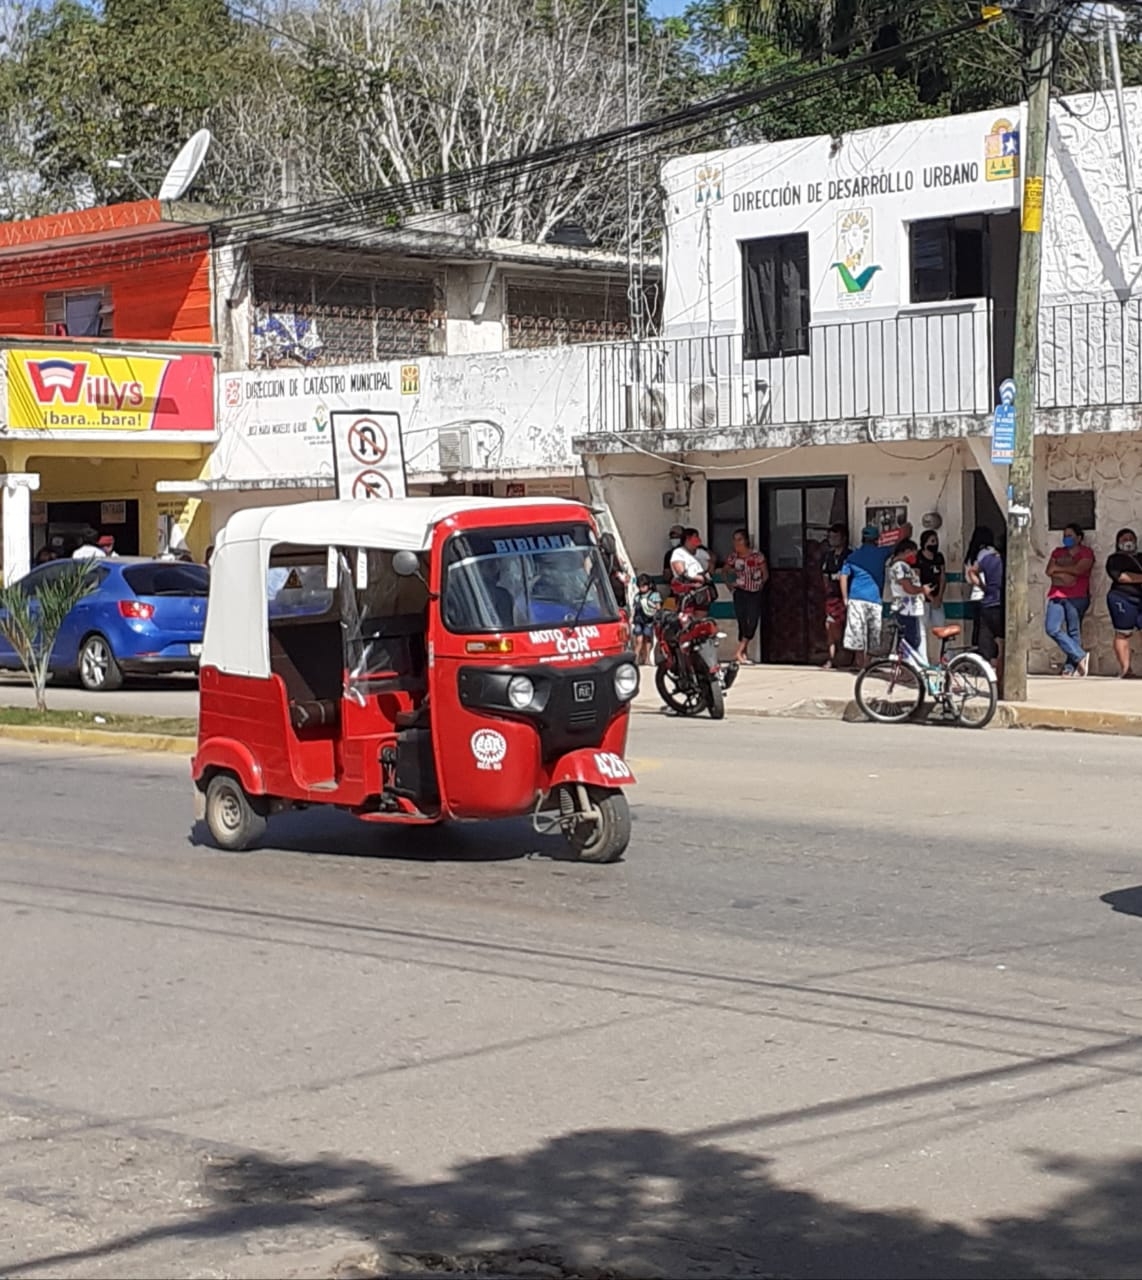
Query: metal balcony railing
[{"x": 933, "y": 362}]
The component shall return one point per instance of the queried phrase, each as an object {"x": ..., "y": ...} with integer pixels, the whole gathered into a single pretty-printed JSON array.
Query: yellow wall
[{"x": 91, "y": 471}]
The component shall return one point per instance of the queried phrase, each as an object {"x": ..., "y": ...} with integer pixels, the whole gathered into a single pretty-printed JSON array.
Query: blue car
[{"x": 144, "y": 617}]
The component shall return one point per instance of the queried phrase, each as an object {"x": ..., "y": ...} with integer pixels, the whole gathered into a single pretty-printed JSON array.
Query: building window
[
  {"x": 726, "y": 511},
  {"x": 78, "y": 315},
  {"x": 546, "y": 315},
  {"x": 305, "y": 318},
  {"x": 949, "y": 258},
  {"x": 775, "y": 287}
]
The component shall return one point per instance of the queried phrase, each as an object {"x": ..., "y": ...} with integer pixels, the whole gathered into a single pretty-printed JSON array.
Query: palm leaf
[{"x": 31, "y": 622}]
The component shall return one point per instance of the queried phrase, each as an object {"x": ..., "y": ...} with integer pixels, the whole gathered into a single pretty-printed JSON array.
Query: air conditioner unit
[
  {"x": 455, "y": 449},
  {"x": 709, "y": 405}
]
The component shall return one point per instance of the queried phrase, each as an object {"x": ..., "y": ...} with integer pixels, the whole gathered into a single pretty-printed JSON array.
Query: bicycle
[{"x": 892, "y": 690}]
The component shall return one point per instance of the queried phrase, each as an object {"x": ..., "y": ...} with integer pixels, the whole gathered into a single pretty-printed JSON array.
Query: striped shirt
[{"x": 748, "y": 570}]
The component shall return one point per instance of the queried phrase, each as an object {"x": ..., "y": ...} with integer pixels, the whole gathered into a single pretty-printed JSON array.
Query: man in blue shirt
[{"x": 862, "y": 589}]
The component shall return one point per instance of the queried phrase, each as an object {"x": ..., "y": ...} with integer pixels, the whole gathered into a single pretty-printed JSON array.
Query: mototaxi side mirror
[{"x": 406, "y": 564}]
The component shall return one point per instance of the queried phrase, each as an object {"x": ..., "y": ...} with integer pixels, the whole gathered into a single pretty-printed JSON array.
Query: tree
[
  {"x": 403, "y": 91},
  {"x": 31, "y": 622}
]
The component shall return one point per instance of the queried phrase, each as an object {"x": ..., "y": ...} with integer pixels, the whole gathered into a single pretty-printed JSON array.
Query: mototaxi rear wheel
[{"x": 234, "y": 820}]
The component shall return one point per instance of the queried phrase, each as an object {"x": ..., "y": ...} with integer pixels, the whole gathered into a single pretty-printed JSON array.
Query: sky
[{"x": 667, "y": 8}]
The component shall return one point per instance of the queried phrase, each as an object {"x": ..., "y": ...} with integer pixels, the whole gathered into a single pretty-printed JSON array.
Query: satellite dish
[{"x": 186, "y": 166}]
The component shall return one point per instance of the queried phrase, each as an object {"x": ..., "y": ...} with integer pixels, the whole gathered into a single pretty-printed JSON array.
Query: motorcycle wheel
[
  {"x": 715, "y": 699},
  {"x": 678, "y": 699}
]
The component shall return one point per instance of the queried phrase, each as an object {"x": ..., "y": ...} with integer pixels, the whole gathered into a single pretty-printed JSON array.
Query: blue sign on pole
[{"x": 1003, "y": 434}]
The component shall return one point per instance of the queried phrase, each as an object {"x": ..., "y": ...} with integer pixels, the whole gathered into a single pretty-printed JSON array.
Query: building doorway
[
  {"x": 795, "y": 520},
  {"x": 63, "y": 526}
]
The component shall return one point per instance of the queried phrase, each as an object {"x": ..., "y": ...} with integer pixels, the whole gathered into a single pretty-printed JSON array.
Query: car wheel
[{"x": 98, "y": 670}]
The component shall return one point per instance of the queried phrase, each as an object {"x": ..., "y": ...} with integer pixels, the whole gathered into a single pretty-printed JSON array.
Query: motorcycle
[{"x": 689, "y": 677}]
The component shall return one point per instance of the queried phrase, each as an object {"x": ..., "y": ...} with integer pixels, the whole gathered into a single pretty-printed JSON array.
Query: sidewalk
[{"x": 1096, "y": 704}]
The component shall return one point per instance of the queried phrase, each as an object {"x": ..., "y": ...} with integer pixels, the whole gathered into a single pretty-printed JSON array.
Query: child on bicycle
[{"x": 908, "y": 595}]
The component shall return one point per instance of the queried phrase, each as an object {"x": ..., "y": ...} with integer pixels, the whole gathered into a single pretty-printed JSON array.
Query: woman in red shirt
[{"x": 1068, "y": 599}]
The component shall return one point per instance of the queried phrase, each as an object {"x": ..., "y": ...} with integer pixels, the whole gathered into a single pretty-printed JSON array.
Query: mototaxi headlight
[
  {"x": 626, "y": 682},
  {"x": 521, "y": 691}
]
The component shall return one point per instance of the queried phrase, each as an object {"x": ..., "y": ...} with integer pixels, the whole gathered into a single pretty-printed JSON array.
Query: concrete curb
[
  {"x": 55, "y": 735},
  {"x": 1010, "y": 715}
]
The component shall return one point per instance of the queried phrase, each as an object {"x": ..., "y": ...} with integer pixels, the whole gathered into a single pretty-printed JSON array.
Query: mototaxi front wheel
[
  {"x": 715, "y": 698},
  {"x": 604, "y": 835},
  {"x": 234, "y": 820}
]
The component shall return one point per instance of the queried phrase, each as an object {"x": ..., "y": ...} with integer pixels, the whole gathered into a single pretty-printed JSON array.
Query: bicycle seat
[{"x": 947, "y": 633}]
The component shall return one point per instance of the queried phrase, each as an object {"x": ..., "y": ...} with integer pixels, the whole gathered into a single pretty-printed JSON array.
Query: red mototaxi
[{"x": 416, "y": 661}]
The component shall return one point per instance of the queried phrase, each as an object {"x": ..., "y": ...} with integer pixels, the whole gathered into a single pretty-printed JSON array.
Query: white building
[
  {"x": 474, "y": 348},
  {"x": 838, "y": 316}
]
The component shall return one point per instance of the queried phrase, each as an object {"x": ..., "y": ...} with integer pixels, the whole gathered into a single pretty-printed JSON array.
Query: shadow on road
[
  {"x": 625, "y": 1203},
  {"x": 327, "y": 831},
  {"x": 1126, "y": 901}
]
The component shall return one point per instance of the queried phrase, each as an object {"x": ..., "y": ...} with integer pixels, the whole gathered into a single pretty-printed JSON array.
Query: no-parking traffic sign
[{"x": 367, "y": 454}]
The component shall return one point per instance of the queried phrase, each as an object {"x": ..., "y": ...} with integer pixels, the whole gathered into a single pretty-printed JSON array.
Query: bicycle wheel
[
  {"x": 889, "y": 692},
  {"x": 971, "y": 691}
]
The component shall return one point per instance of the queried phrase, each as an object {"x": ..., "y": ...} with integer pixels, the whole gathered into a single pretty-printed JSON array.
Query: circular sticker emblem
[{"x": 489, "y": 748}]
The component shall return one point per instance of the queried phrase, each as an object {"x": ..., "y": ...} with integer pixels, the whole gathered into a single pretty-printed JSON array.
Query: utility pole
[{"x": 1033, "y": 146}]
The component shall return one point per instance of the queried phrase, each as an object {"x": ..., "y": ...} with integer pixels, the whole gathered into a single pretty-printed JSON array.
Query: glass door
[{"x": 795, "y": 520}]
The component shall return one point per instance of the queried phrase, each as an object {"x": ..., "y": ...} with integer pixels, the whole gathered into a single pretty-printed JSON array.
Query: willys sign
[{"x": 75, "y": 393}]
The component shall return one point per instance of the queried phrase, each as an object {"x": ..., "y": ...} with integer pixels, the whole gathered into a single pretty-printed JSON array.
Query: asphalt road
[{"x": 860, "y": 1002}]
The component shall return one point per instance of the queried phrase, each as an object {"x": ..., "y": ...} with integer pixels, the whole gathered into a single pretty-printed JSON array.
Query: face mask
[
  {"x": 1068, "y": 541},
  {"x": 1129, "y": 546},
  {"x": 932, "y": 548},
  {"x": 910, "y": 557}
]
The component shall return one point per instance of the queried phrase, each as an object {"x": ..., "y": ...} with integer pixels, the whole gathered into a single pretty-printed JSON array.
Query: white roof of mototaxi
[{"x": 236, "y": 638}]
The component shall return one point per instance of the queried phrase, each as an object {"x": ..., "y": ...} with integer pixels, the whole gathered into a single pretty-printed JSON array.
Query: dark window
[
  {"x": 168, "y": 580},
  {"x": 775, "y": 286},
  {"x": 950, "y": 258},
  {"x": 725, "y": 511},
  {"x": 1070, "y": 506},
  {"x": 32, "y": 583},
  {"x": 307, "y": 318},
  {"x": 549, "y": 315}
]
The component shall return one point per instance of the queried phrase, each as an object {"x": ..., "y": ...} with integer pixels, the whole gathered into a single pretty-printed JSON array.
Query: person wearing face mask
[
  {"x": 1124, "y": 599},
  {"x": 835, "y": 554},
  {"x": 907, "y": 594},
  {"x": 1068, "y": 599},
  {"x": 930, "y": 565}
]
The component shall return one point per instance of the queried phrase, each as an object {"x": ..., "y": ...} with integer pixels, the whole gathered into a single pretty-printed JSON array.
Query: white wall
[
  {"x": 518, "y": 411},
  {"x": 468, "y": 333},
  {"x": 880, "y": 180}
]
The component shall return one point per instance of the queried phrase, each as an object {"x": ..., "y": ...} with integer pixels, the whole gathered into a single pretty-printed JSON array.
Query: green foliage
[{"x": 31, "y": 623}]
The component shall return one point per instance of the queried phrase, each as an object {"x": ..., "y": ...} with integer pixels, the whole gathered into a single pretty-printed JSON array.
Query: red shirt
[
  {"x": 1083, "y": 562},
  {"x": 748, "y": 569}
]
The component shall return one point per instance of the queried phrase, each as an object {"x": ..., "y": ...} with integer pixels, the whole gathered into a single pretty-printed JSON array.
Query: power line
[{"x": 373, "y": 205}]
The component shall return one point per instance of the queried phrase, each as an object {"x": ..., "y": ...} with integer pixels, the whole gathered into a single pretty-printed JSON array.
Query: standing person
[
  {"x": 616, "y": 571},
  {"x": 836, "y": 553},
  {"x": 975, "y": 586},
  {"x": 908, "y": 595},
  {"x": 646, "y": 605},
  {"x": 931, "y": 567},
  {"x": 89, "y": 551},
  {"x": 45, "y": 555},
  {"x": 862, "y": 587},
  {"x": 747, "y": 572},
  {"x": 675, "y": 538},
  {"x": 1124, "y": 599},
  {"x": 1068, "y": 599},
  {"x": 688, "y": 575},
  {"x": 986, "y": 572}
]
